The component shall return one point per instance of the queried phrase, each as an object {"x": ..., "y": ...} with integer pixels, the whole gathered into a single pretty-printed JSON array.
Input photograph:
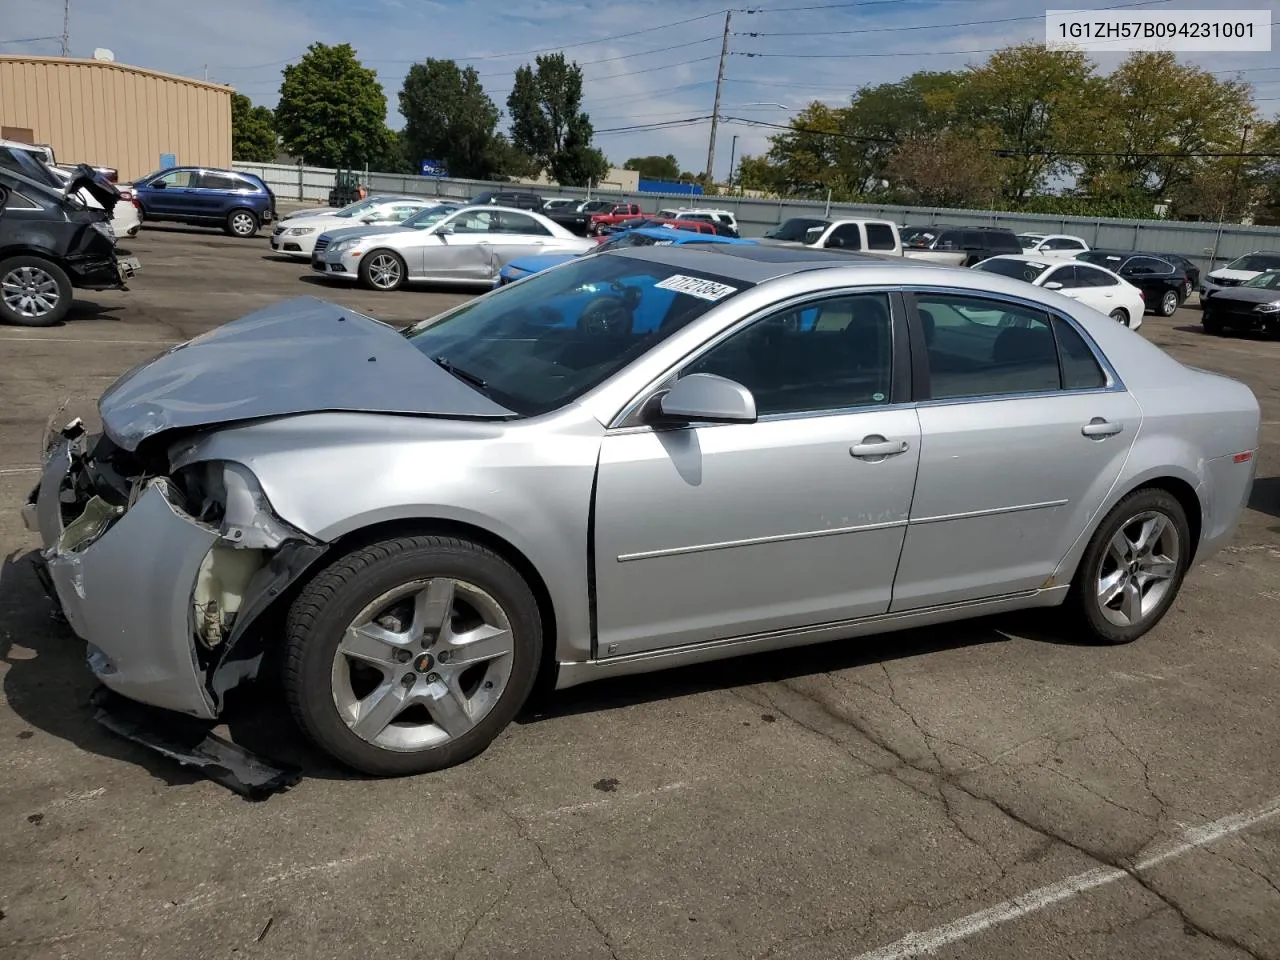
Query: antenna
[{"x": 66, "y": 26}]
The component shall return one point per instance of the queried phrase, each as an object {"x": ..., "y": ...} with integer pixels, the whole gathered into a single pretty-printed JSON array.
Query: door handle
[
  {"x": 1099, "y": 427},
  {"x": 877, "y": 446}
]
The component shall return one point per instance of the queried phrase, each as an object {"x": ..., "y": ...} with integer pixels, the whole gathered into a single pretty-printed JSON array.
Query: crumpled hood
[
  {"x": 1222, "y": 273},
  {"x": 298, "y": 356}
]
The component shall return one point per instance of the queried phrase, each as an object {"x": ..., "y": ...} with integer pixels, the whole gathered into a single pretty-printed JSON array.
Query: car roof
[{"x": 755, "y": 263}]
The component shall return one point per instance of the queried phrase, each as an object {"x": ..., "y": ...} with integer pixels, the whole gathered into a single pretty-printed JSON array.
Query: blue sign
[
  {"x": 669, "y": 186},
  {"x": 432, "y": 168},
  {"x": 168, "y": 160}
]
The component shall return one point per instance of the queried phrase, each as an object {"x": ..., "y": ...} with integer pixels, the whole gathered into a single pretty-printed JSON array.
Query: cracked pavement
[{"x": 805, "y": 804}]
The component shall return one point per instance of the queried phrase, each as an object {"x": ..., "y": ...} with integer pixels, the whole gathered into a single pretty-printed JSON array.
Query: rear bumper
[{"x": 100, "y": 273}]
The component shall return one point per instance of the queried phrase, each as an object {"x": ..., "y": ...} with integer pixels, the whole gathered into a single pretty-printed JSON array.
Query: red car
[{"x": 615, "y": 214}]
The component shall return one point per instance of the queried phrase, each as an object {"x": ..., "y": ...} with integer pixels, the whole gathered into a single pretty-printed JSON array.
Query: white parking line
[
  {"x": 156, "y": 343},
  {"x": 10, "y": 471},
  {"x": 919, "y": 944}
]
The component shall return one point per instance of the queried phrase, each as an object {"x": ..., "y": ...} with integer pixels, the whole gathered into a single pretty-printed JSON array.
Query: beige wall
[{"x": 114, "y": 115}]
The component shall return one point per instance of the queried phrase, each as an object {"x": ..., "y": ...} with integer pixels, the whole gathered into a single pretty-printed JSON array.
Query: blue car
[
  {"x": 238, "y": 202},
  {"x": 642, "y": 237}
]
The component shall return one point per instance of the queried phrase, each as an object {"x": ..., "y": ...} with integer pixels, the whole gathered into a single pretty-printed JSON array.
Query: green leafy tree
[
  {"x": 449, "y": 117},
  {"x": 253, "y": 131},
  {"x": 1038, "y": 104},
  {"x": 948, "y": 169},
  {"x": 332, "y": 110},
  {"x": 547, "y": 122},
  {"x": 655, "y": 167}
]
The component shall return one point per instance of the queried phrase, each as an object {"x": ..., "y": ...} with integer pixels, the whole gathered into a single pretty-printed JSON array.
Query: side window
[
  {"x": 972, "y": 240},
  {"x": 1000, "y": 241},
  {"x": 981, "y": 347},
  {"x": 243, "y": 183},
  {"x": 403, "y": 212},
  {"x": 16, "y": 201},
  {"x": 1093, "y": 277},
  {"x": 1144, "y": 266},
  {"x": 481, "y": 221},
  {"x": 1080, "y": 370},
  {"x": 1067, "y": 276},
  {"x": 828, "y": 355},
  {"x": 951, "y": 240},
  {"x": 1066, "y": 243},
  {"x": 178, "y": 178},
  {"x": 846, "y": 237},
  {"x": 880, "y": 236},
  {"x": 519, "y": 223},
  {"x": 211, "y": 180}
]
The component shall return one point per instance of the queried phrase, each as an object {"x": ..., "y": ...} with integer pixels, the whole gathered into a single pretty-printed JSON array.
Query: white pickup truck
[{"x": 853, "y": 235}]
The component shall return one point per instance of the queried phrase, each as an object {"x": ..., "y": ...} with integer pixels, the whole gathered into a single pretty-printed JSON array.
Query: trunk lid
[
  {"x": 96, "y": 184},
  {"x": 300, "y": 356}
]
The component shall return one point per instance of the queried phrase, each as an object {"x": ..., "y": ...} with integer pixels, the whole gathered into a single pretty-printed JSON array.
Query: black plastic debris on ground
[{"x": 191, "y": 743}]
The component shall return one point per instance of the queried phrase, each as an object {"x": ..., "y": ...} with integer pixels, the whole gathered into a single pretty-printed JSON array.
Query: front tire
[
  {"x": 382, "y": 270},
  {"x": 1169, "y": 303},
  {"x": 411, "y": 654},
  {"x": 241, "y": 223},
  {"x": 1120, "y": 316},
  {"x": 34, "y": 292},
  {"x": 1133, "y": 568}
]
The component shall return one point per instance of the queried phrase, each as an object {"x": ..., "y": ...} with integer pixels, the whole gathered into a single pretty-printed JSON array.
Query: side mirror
[
  {"x": 158, "y": 185},
  {"x": 444, "y": 229},
  {"x": 707, "y": 398},
  {"x": 1053, "y": 285}
]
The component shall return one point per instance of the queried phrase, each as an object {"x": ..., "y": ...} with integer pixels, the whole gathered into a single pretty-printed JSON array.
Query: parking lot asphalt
[{"x": 988, "y": 789}]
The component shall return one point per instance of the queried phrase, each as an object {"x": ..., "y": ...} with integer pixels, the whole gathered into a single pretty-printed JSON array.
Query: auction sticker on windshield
[{"x": 696, "y": 287}]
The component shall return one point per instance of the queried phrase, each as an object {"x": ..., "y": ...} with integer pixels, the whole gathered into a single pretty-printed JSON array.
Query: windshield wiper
[{"x": 444, "y": 364}]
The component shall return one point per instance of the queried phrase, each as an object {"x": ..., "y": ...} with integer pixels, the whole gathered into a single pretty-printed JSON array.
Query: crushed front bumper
[{"x": 128, "y": 592}]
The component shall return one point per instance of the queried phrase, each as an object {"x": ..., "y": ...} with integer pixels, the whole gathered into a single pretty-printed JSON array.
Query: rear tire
[
  {"x": 34, "y": 292},
  {"x": 241, "y": 223},
  {"x": 1169, "y": 303},
  {"x": 411, "y": 654},
  {"x": 1120, "y": 316},
  {"x": 1133, "y": 568}
]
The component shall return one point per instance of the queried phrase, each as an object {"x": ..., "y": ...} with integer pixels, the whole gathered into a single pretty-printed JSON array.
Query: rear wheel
[
  {"x": 382, "y": 270},
  {"x": 1133, "y": 568},
  {"x": 411, "y": 654},
  {"x": 241, "y": 223},
  {"x": 1120, "y": 316},
  {"x": 34, "y": 292},
  {"x": 1169, "y": 303}
]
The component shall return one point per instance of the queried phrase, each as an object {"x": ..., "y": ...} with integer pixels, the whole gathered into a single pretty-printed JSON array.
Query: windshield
[
  {"x": 1111, "y": 261},
  {"x": 795, "y": 228},
  {"x": 630, "y": 239},
  {"x": 428, "y": 216},
  {"x": 918, "y": 236},
  {"x": 594, "y": 206},
  {"x": 1029, "y": 240},
  {"x": 1256, "y": 261},
  {"x": 357, "y": 208},
  {"x": 546, "y": 341},
  {"x": 1267, "y": 281},
  {"x": 1018, "y": 269}
]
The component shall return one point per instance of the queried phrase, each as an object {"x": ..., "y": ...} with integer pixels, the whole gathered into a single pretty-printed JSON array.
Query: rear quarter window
[
  {"x": 1002, "y": 242},
  {"x": 880, "y": 237}
]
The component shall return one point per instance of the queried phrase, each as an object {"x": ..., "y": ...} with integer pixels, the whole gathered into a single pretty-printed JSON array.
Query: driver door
[{"x": 463, "y": 247}]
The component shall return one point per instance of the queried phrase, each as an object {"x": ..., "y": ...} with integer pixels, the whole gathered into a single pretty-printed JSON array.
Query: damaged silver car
[{"x": 638, "y": 459}]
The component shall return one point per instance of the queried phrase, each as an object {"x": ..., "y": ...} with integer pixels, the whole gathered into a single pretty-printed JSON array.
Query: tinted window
[
  {"x": 972, "y": 238},
  {"x": 880, "y": 237},
  {"x": 519, "y": 223},
  {"x": 1067, "y": 276},
  {"x": 544, "y": 342},
  {"x": 1027, "y": 270},
  {"x": 1147, "y": 265},
  {"x": 1087, "y": 276},
  {"x": 1080, "y": 370},
  {"x": 474, "y": 221},
  {"x": 794, "y": 229},
  {"x": 1001, "y": 241},
  {"x": 951, "y": 240},
  {"x": 1111, "y": 261},
  {"x": 827, "y": 356},
  {"x": 16, "y": 201},
  {"x": 985, "y": 347},
  {"x": 846, "y": 237},
  {"x": 1256, "y": 261},
  {"x": 210, "y": 180}
]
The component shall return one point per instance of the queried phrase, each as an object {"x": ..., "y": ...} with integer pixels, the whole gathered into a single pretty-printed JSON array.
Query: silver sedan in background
[
  {"x": 653, "y": 456},
  {"x": 468, "y": 246}
]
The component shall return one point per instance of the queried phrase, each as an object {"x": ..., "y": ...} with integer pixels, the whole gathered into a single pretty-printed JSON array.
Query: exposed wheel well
[{"x": 1185, "y": 494}]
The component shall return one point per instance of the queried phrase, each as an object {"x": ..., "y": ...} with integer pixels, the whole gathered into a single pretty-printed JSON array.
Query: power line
[
  {"x": 587, "y": 63},
  {"x": 30, "y": 40}
]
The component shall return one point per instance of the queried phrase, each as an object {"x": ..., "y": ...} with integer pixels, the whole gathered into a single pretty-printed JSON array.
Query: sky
[{"x": 644, "y": 64}]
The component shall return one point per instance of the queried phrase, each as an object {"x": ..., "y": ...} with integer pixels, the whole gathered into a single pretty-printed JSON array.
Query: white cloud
[{"x": 659, "y": 75}]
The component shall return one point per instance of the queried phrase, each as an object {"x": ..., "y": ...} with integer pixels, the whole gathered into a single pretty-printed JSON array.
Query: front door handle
[
  {"x": 877, "y": 446},
  {"x": 1099, "y": 428}
]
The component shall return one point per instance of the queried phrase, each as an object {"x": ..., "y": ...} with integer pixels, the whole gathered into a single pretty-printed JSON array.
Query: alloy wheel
[
  {"x": 243, "y": 224},
  {"x": 1119, "y": 316},
  {"x": 384, "y": 271},
  {"x": 30, "y": 292},
  {"x": 1169, "y": 303},
  {"x": 1138, "y": 569},
  {"x": 422, "y": 664}
]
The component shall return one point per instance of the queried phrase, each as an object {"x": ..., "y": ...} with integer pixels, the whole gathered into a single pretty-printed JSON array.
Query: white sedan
[
  {"x": 1052, "y": 246},
  {"x": 468, "y": 246},
  {"x": 297, "y": 237},
  {"x": 1093, "y": 286}
]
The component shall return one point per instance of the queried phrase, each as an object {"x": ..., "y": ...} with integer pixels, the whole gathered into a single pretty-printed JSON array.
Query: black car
[
  {"x": 1252, "y": 304},
  {"x": 1164, "y": 283},
  {"x": 52, "y": 242},
  {"x": 519, "y": 199}
]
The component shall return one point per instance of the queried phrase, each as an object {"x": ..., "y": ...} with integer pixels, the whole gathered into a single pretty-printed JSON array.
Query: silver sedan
[
  {"x": 638, "y": 459},
  {"x": 466, "y": 246}
]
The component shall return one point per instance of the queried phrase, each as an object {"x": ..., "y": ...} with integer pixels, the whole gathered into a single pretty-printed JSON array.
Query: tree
[
  {"x": 1039, "y": 104},
  {"x": 391, "y": 154},
  {"x": 655, "y": 167},
  {"x": 449, "y": 117},
  {"x": 946, "y": 169},
  {"x": 812, "y": 156},
  {"x": 332, "y": 110},
  {"x": 1154, "y": 106},
  {"x": 547, "y": 122},
  {"x": 253, "y": 131}
]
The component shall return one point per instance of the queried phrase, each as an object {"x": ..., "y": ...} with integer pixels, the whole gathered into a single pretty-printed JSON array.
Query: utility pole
[
  {"x": 715, "y": 110},
  {"x": 1230, "y": 198},
  {"x": 733, "y": 152},
  {"x": 66, "y": 27}
]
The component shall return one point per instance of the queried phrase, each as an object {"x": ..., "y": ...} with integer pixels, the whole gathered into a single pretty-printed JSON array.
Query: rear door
[
  {"x": 1023, "y": 433},
  {"x": 217, "y": 192}
]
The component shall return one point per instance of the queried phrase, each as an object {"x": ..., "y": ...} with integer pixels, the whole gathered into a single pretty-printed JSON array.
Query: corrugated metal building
[{"x": 113, "y": 115}]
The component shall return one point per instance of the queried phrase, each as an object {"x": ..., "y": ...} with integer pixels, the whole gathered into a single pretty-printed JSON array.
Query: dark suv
[
  {"x": 509, "y": 198},
  {"x": 238, "y": 202}
]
